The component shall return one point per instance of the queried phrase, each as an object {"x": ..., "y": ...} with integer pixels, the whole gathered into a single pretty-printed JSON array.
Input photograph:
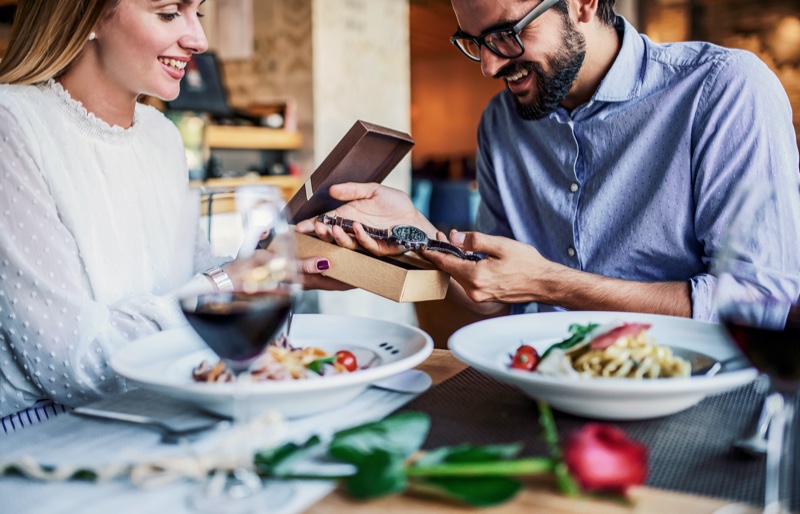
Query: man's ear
[{"x": 585, "y": 10}]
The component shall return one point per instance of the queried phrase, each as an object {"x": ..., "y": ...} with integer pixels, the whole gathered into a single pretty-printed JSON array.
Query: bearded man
[{"x": 607, "y": 167}]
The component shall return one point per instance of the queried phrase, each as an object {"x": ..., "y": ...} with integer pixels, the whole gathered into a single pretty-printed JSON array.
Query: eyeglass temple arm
[{"x": 547, "y": 4}]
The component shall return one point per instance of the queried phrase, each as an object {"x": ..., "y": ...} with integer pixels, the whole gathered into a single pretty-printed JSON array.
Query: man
[{"x": 607, "y": 168}]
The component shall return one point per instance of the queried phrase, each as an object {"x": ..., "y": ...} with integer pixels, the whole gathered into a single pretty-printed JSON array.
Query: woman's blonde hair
[{"x": 47, "y": 36}]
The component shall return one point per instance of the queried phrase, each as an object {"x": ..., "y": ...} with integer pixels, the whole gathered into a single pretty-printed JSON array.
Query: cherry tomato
[
  {"x": 347, "y": 359},
  {"x": 526, "y": 358}
]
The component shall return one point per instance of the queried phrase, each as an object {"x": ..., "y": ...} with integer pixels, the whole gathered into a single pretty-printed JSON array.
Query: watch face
[{"x": 409, "y": 234}]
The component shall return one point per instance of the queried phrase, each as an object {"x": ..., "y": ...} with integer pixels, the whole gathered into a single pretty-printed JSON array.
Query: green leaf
[
  {"x": 578, "y": 333},
  {"x": 379, "y": 474},
  {"x": 468, "y": 453},
  {"x": 478, "y": 492},
  {"x": 316, "y": 366},
  {"x": 278, "y": 461},
  {"x": 401, "y": 434}
]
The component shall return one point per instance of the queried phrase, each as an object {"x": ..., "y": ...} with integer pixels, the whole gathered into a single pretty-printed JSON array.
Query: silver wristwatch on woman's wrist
[{"x": 221, "y": 279}]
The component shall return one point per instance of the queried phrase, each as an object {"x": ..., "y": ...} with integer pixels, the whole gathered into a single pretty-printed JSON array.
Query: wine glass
[
  {"x": 239, "y": 323},
  {"x": 758, "y": 303}
]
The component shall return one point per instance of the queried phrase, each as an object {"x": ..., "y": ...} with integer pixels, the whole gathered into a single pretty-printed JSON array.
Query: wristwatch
[
  {"x": 408, "y": 236},
  {"x": 220, "y": 278}
]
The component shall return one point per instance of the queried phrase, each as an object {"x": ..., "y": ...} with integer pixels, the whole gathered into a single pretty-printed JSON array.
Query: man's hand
[
  {"x": 514, "y": 272},
  {"x": 374, "y": 205},
  {"x": 508, "y": 274}
]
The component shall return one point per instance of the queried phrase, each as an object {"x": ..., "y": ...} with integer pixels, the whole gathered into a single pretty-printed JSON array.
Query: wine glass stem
[{"x": 780, "y": 453}]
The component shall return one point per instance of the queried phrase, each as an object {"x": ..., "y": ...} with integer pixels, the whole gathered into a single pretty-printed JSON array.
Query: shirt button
[
  {"x": 573, "y": 187},
  {"x": 571, "y": 251}
]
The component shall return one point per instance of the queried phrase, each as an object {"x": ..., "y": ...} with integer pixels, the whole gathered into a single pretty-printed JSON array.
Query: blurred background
[{"x": 285, "y": 79}]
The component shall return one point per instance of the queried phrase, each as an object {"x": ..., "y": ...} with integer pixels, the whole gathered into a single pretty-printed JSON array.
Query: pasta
[
  {"x": 277, "y": 363},
  {"x": 630, "y": 356}
]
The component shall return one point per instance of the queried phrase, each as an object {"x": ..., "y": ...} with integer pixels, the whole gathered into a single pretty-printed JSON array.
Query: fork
[{"x": 169, "y": 434}]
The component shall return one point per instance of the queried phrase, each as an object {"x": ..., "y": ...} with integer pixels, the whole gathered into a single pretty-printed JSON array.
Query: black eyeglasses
[{"x": 504, "y": 42}]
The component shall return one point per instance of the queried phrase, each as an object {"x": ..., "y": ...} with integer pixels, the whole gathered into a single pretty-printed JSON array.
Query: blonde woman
[{"x": 93, "y": 190}]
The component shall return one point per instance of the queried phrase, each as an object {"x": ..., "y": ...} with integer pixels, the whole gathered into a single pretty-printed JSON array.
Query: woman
[{"x": 93, "y": 192}]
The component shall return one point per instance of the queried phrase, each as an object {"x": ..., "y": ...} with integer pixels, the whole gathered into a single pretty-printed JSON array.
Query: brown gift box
[
  {"x": 367, "y": 153},
  {"x": 404, "y": 278}
]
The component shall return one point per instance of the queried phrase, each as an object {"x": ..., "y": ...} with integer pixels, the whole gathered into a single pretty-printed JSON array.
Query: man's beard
[{"x": 552, "y": 86}]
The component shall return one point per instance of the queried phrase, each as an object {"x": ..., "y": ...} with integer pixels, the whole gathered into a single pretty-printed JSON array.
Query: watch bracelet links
[{"x": 221, "y": 279}]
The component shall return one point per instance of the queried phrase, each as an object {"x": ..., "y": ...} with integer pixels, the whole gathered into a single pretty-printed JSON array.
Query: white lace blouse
[{"x": 95, "y": 232}]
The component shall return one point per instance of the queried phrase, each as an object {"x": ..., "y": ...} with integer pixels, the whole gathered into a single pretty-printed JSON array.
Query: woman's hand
[
  {"x": 310, "y": 271},
  {"x": 313, "y": 276}
]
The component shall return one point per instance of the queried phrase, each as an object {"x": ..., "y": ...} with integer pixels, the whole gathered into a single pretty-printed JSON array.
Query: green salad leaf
[
  {"x": 316, "y": 366},
  {"x": 578, "y": 332}
]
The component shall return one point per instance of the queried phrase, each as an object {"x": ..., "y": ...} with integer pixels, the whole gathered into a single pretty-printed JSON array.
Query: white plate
[
  {"x": 164, "y": 361},
  {"x": 486, "y": 346}
]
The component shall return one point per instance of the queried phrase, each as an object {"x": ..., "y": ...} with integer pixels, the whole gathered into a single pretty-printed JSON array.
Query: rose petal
[{"x": 603, "y": 459}]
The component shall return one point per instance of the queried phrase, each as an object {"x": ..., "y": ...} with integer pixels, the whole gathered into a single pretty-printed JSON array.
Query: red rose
[{"x": 602, "y": 459}]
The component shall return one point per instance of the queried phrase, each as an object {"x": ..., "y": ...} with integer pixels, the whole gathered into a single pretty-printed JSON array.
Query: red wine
[
  {"x": 774, "y": 352},
  {"x": 237, "y": 326}
]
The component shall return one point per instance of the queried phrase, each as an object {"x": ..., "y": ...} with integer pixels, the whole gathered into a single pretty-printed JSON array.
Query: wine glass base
[{"x": 238, "y": 492}]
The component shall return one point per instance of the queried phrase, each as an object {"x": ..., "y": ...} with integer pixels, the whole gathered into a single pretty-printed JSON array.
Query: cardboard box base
[{"x": 405, "y": 278}]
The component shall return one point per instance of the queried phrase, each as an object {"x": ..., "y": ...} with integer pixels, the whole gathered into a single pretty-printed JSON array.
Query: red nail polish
[{"x": 323, "y": 265}]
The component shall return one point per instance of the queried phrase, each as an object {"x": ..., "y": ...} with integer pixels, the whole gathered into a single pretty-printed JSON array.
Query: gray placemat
[{"x": 688, "y": 452}]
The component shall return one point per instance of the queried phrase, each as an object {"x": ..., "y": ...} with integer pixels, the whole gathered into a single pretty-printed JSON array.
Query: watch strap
[
  {"x": 221, "y": 279},
  {"x": 347, "y": 226},
  {"x": 383, "y": 234},
  {"x": 444, "y": 246}
]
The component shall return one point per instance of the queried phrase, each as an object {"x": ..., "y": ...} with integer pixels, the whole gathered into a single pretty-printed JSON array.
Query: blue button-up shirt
[{"x": 637, "y": 183}]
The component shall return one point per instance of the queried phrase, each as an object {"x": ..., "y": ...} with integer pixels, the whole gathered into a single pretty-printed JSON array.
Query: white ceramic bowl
[
  {"x": 486, "y": 346},
  {"x": 163, "y": 362}
]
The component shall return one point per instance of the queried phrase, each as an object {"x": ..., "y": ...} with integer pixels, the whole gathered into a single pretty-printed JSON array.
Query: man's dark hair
[{"x": 605, "y": 11}]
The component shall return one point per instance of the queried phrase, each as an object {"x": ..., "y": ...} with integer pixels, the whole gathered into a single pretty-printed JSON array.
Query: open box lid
[{"x": 367, "y": 153}]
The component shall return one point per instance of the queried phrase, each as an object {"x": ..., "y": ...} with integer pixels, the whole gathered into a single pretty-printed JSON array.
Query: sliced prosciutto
[{"x": 605, "y": 340}]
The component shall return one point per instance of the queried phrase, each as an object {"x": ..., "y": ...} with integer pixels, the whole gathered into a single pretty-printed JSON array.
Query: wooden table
[{"x": 539, "y": 494}]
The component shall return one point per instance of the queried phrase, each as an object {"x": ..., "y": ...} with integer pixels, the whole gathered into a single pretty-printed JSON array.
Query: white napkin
[{"x": 73, "y": 441}]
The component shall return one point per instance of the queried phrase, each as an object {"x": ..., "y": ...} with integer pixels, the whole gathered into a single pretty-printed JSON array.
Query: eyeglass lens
[{"x": 502, "y": 42}]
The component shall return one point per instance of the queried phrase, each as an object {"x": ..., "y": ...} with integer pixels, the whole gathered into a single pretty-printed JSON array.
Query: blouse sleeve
[{"x": 55, "y": 340}]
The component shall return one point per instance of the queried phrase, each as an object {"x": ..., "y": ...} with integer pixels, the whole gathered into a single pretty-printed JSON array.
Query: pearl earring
[{"x": 92, "y": 36}]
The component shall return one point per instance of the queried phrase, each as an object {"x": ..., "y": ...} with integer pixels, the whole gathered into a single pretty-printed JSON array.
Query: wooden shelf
[
  {"x": 251, "y": 138},
  {"x": 288, "y": 185}
]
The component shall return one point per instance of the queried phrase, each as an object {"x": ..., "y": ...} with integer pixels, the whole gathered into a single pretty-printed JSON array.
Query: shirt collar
[{"x": 624, "y": 80}]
